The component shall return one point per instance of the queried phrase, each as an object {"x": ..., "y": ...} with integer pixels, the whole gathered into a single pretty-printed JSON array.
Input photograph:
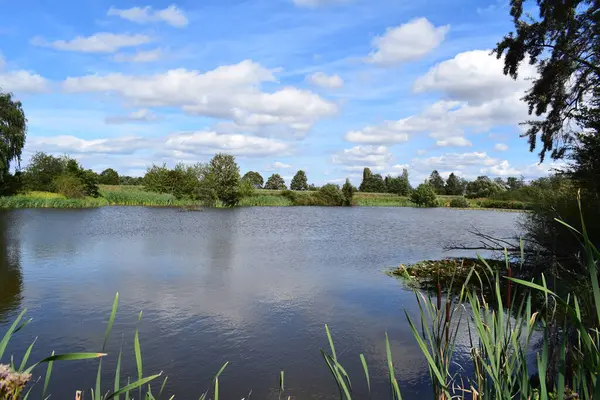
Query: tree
[
  {"x": 275, "y": 182},
  {"x": 13, "y": 129},
  {"x": 109, "y": 177},
  {"x": 372, "y": 183},
  {"x": 131, "y": 180},
  {"x": 181, "y": 181},
  {"x": 564, "y": 45},
  {"x": 366, "y": 174},
  {"x": 41, "y": 172},
  {"x": 405, "y": 187},
  {"x": 514, "y": 183},
  {"x": 255, "y": 178},
  {"x": 299, "y": 181},
  {"x": 424, "y": 196},
  {"x": 437, "y": 182},
  {"x": 225, "y": 174},
  {"x": 585, "y": 168},
  {"x": 481, "y": 187},
  {"x": 454, "y": 186},
  {"x": 348, "y": 191}
]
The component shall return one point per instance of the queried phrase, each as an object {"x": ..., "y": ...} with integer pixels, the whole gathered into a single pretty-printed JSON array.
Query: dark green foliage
[
  {"x": 11, "y": 184},
  {"x": 13, "y": 129},
  {"x": 255, "y": 178},
  {"x": 109, "y": 177},
  {"x": 299, "y": 181},
  {"x": 70, "y": 186},
  {"x": 275, "y": 182},
  {"x": 585, "y": 167},
  {"x": 372, "y": 183},
  {"x": 348, "y": 191},
  {"x": 225, "y": 175},
  {"x": 437, "y": 182},
  {"x": 331, "y": 195},
  {"x": 366, "y": 174},
  {"x": 455, "y": 186},
  {"x": 180, "y": 182},
  {"x": 459, "y": 202},
  {"x": 503, "y": 204},
  {"x": 246, "y": 189},
  {"x": 514, "y": 183},
  {"x": 424, "y": 196},
  {"x": 313, "y": 187},
  {"x": 41, "y": 172},
  {"x": 564, "y": 44},
  {"x": 483, "y": 186},
  {"x": 398, "y": 185}
]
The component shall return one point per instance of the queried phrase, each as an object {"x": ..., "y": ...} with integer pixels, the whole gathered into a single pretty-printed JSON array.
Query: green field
[{"x": 123, "y": 195}]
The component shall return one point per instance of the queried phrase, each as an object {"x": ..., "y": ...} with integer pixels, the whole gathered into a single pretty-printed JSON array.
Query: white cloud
[
  {"x": 501, "y": 169},
  {"x": 500, "y": 147},
  {"x": 276, "y": 166},
  {"x": 388, "y": 132},
  {"x": 407, "y": 42},
  {"x": 142, "y": 15},
  {"x": 143, "y": 115},
  {"x": 358, "y": 157},
  {"x": 23, "y": 82},
  {"x": 102, "y": 42},
  {"x": 139, "y": 56},
  {"x": 326, "y": 81},
  {"x": 475, "y": 77},
  {"x": 71, "y": 144},
  {"x": 456, "y": 161},
  {"x": 229, "y": 92},
  {"x": 455, "y": 141},
  {"x": 184, "y": 145}
]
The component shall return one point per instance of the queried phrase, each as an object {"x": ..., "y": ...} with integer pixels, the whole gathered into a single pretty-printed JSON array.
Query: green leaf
[
  {"x": 330, "y": 342},
  {"x": 98, "y": 392},
  {"x": 47, "y": 378},
  {"x": 162, "y": 387},
  {"x": 26, "y": 356},
  {"x": 366, "y": 370},
  {"x": 137, "y": 350},
  {"x": 134, "y": 385},
  {"x": 66, "y": 357},
  {"x": 117, "y": 382},
  {"x": 111, "y": 321},
  {"x": 8, "y": 335}
]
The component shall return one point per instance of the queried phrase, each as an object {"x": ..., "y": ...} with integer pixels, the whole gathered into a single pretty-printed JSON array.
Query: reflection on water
[
  {"x": 253, "y": 286},
  {"x": 11, "y": 279}
]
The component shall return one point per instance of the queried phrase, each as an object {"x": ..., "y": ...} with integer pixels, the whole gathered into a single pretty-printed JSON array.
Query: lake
[{"x": 252, "y": 286}]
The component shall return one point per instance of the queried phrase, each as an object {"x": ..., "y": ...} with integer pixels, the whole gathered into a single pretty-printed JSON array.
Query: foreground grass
[{"x": 49, "y": 200}]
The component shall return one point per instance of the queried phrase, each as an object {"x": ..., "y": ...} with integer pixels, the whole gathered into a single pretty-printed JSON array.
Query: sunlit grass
[{"x": 49, "y": 200}]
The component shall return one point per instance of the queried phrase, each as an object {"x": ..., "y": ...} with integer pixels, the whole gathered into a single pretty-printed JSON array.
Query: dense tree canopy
[
  {"x": 437, "y": 182},
  {"x": 299, "y": 181},
  {"x": 454, "y": 185},
  {"x": 13, "y": 129},
  {"x": 482, "y": 187},
  {"x": 348, "y": 191},
  {"x": 109, "y": 177},
  {"x": 275, "y": 182},
  {"x": 225, "y": 174},
  {"x": 372, "y": 183},
  {"x": 255, "y": 178},
  {"x": 424, "y": 196},
  {"x": 564, "y": 44}
]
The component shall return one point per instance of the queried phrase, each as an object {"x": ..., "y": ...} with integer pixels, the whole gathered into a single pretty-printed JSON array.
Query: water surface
[{"x": 252, "y": 286}]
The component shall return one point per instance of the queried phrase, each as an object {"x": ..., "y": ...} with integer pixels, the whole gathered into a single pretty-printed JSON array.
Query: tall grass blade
[
  {"x": 162, "y": 387},
  {"x": 66, "y": 357},
  {"x": 98, "y": 393},
  {"x": 393, "y": 382},
  {"x": 117, "y": 382},
  {"x": 281, "y": 382},
  {"x": 8, "y": 335},
  {"x": 137, "y": 350},
  {"x": 329, "y": 338},
  {"x": 111, "y": 321},
  {"x": 216, "y": 388},
  {"x": 47, "y": 378},
  {"x": 26, "y": 356},
  {"x": 366, "y": 370},
  {"x": 133, "y": 385}
]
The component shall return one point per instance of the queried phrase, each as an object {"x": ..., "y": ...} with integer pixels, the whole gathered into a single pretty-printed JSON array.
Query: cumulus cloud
[
  {"x": 70, "y": 144},
  {"x": 407, "y": 42},
  {"x": 207, "y": 142},
  {"x": 103, "y": 42},
  {"x": 142, "y": 15},
  {"x": 500, "y": 147},
  {"x": 143, "y": 115},
  {"x": 358, "y": 157},
  {"x": 23, "y": 82},
  {"x": 229, "y": 92},
  {"x": 474, "y": 76},
  {"x": 276, "y": 166},
  {"x": 139, "y": 56},
  {"x": 325, "y": 81},
  {"x": 455, "y": 141}
]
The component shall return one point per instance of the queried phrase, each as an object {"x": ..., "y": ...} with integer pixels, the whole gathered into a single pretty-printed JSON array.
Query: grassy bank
[{"x": 125, "y": 195}]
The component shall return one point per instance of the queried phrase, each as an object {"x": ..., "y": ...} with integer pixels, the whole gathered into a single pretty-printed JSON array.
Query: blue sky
[{"x": 327, "y": 86}]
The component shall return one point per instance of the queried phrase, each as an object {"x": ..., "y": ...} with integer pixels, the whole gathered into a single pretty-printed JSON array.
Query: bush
[
  {"x": 502, "y": 204},
  {"x": 424, "y": 196},
  {"x": 331, "y": 195},
  {"x": 109, "y": 177},
  {"x": 70, "y": 186},
  {"x": 348, "y": 191},
  {"x": 459, "y": 202},
  {"x": 483, "y": 186}
]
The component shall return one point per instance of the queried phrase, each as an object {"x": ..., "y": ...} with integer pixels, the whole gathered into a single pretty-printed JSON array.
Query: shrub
[
  {"x": 459, "y": 202},
  {"x": 348, "y": 191},
  {"x": 331, "y": 195},
  {"x": 503, "y": 204},
  {"x": 70, "y": 186},
  {"x": 424, "y": 196}
]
